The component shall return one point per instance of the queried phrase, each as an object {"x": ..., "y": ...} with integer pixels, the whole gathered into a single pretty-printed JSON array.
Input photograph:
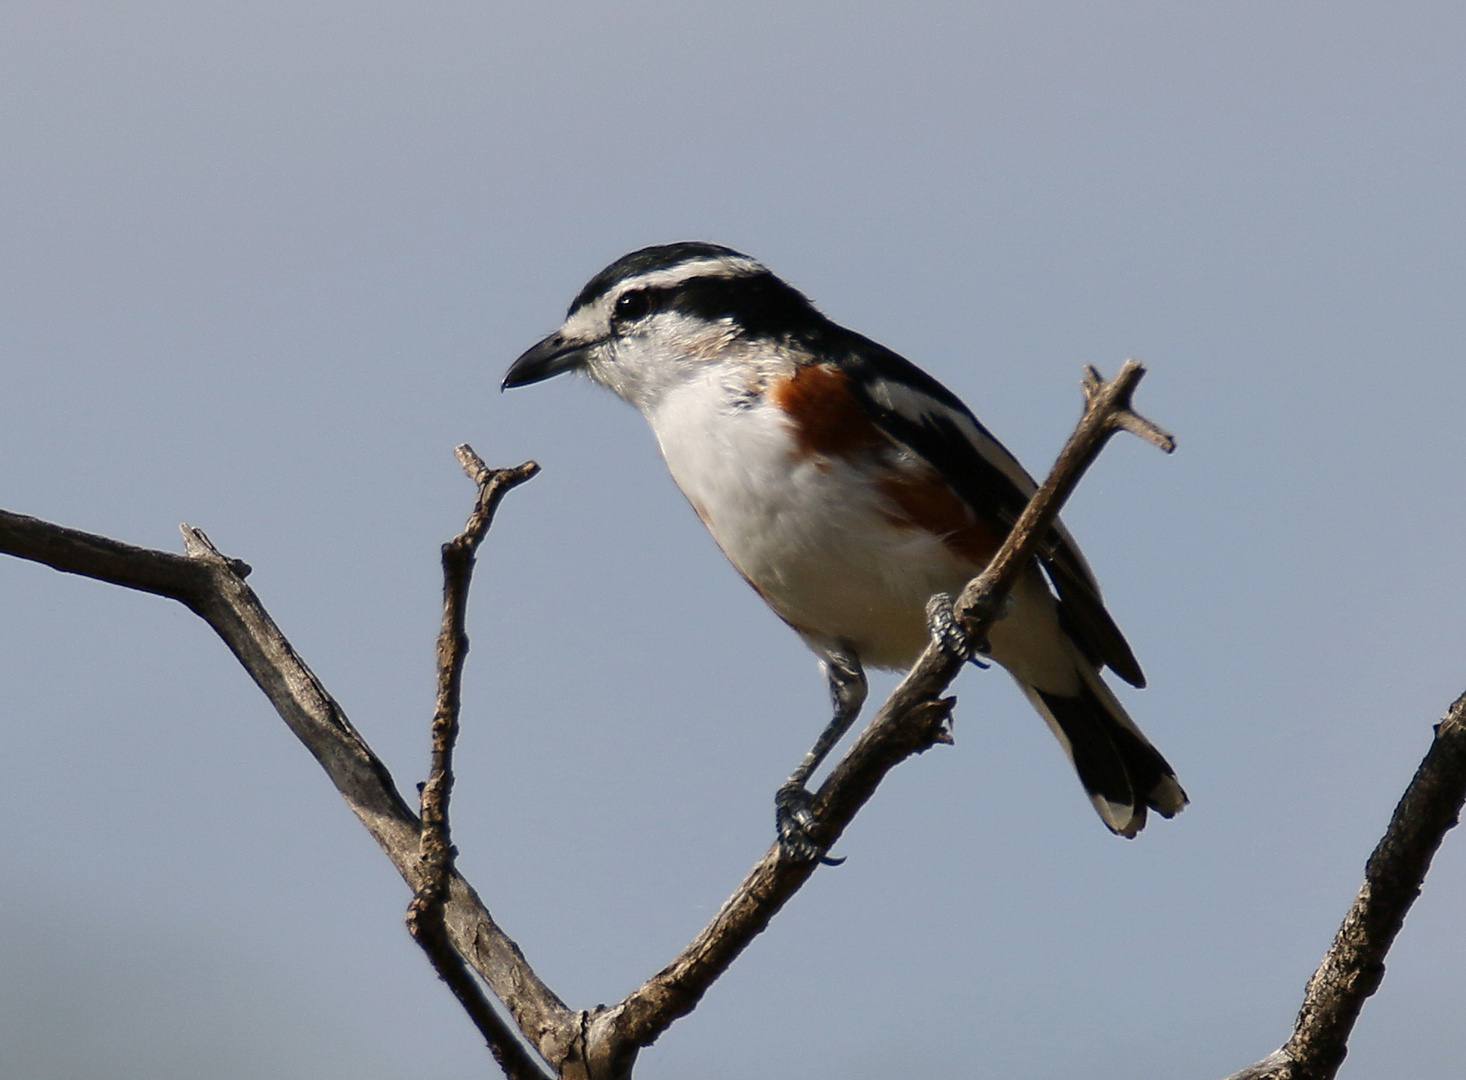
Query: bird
[{"x": 849, "y": 487}]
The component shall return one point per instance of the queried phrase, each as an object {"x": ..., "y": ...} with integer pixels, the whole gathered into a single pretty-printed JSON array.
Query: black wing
[{"x": 920, "y": 413}]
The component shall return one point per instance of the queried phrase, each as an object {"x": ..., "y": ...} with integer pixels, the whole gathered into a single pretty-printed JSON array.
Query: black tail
[{"x": 1122, "y": 772}]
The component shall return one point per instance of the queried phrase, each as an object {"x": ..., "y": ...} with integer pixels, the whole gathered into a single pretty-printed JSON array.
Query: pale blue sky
[{"x": 263, "y": 266}]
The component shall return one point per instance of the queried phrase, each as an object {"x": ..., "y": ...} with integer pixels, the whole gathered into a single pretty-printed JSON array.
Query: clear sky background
[{"x": 263, "y": 266}]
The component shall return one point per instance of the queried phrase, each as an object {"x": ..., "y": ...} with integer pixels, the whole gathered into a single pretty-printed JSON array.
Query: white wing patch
[{"x": 916, "y": 406}]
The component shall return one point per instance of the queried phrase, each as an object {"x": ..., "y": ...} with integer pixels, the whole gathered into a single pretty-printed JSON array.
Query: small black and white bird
[{"x": 848, "y": 486}]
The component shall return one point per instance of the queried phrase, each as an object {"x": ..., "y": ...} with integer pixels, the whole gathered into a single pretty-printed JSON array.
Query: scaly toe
[
  {"x": 796, "y": 824},
  {"x": 946, "y": 631}
]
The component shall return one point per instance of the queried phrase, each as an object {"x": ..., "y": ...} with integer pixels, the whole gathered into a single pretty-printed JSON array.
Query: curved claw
[
  {"x": 796, "y": 824},
  {"x": 946, "y": 631}
]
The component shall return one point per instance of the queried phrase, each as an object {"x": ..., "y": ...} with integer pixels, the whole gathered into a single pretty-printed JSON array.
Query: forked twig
[
  {"x": 213, "y": 587},
  {"x": 1107, "y": 410},
  {"x": 425, "y": 915},
  {"x": 601, "y": 1044},
  {"x": 912, "y": 720}
]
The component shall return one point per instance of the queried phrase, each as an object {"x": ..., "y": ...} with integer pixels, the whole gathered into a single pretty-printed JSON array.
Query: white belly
[{"x": 811, "y": 534}]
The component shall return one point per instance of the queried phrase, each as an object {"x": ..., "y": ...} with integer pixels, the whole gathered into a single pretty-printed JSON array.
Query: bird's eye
[{"x": 634, "y": 304}]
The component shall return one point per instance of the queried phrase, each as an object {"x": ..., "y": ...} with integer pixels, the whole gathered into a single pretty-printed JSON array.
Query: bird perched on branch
[{"x": 847, "y": 486}]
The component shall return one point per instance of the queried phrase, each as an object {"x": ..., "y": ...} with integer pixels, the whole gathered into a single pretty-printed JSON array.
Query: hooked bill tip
[{"x": 545, "y": 360}]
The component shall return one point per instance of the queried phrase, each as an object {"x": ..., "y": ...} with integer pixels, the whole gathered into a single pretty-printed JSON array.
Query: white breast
[{"x": 811, "y": 534}]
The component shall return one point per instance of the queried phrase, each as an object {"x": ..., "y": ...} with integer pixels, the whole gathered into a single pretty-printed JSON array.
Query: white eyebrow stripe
[
  {"x": 724, "y": 266},
  {"x": 591, "y": 321}
]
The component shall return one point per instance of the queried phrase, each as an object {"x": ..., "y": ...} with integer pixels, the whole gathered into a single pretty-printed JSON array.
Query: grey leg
[{"x": 792, "y": 803}]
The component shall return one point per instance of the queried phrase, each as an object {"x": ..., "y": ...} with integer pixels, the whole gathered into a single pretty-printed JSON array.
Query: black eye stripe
[
  {"x": 758, "y": 305},
  {"x": 634, "y": 303}
]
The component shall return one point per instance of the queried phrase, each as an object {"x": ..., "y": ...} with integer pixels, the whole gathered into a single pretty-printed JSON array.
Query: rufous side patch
[
  {"x": 923, "y": 501},
  {"x": 825, "y": 416}
]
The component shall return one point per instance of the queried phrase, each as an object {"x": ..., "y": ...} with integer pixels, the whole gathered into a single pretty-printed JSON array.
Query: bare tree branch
[
  {"x": 425, "y": 915},
  {"x": 213, "y": 587},
  {"x": 1354, "y": 965},
  {"x": 599, "y": 1044},
  {"x": 912, "y": 719},
  {"x": 453, "y": 926}
]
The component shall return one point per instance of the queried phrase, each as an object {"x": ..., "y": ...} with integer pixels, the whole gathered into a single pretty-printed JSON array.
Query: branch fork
[
  {"x": 426, "y": 915},
  {"x": 546, "y": 1038}
]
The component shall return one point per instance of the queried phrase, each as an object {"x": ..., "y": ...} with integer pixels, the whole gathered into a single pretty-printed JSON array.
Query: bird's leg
[{"x": 792, "y": 803}]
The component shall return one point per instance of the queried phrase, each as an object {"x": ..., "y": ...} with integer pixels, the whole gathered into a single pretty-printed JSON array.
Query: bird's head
[{"x": 657, "y": 317}]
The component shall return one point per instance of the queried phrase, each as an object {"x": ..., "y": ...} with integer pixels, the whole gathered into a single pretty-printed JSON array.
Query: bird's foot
[
  {"x": 794, "y": 816},
  {"x": 947, "y": 633}
]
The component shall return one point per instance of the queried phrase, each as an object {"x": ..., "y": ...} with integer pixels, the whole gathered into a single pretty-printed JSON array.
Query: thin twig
[
  {"x": 1107, "y": 410},
  {"x": 425, "y": 915},
  {"x": 599, "y": 1044},
  {"x": 1355, "y": 962},
  {"x": 602, "y": 1043},
  {"x": 912, "y": 719},
  {"x": 213, "y": 587}
]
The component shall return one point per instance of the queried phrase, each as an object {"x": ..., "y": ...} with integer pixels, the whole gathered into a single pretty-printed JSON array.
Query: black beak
[{"x": 547, "y": 359}]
